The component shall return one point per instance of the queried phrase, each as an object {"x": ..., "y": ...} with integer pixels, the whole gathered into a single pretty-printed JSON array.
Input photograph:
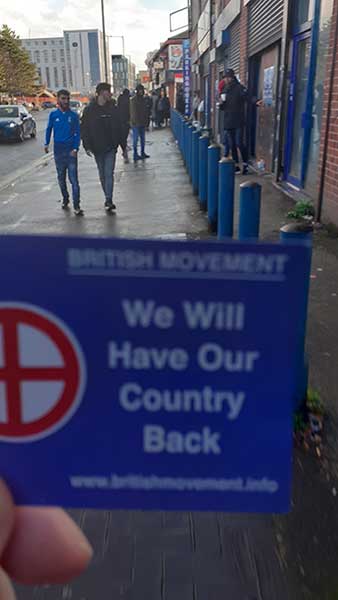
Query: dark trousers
[
  {"x": 65, "y": 163},
  {"x": 125, "y": 133},
  {"x": 234, "y": 139},
  {"x": 106, "y": 167},
  {"x": 139, "y": 133}
]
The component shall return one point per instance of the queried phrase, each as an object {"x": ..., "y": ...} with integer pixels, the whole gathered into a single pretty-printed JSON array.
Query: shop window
[{"x": 304, "y": 10}]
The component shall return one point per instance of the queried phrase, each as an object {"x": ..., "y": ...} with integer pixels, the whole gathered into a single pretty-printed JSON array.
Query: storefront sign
[
  {"x": 186, "y": 76},
  {"x": 175, "y": 57}
]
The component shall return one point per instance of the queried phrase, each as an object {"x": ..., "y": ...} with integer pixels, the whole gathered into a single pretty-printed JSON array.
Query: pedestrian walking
[
  {"x": 101, "y": 134},
  {"x": 64, "y": 124},
  {"x": 234, "y": 97},
  {"x": 139, "y": 119},
  {"x": 154, "y": 103},
  {"x": 124, "y": 110},
  {"x": 163, "y": 108},
  {"x": 180, "y": 101},
  {"x": 149, "y": 104}
]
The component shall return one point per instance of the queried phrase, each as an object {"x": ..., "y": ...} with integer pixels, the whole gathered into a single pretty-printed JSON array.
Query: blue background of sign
[{"x": 102, "y": 438}]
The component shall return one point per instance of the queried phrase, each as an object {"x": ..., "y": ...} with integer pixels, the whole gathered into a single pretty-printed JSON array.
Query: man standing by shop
[
  {"x": 139, "y": 120},
  {"x": 101, "y": 134},
  {"x": 233, "y": 103},
  {"x": 65, "y": 126}
]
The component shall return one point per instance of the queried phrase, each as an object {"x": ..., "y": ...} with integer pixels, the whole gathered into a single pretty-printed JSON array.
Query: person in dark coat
[
  {"x": 180, "y": 101},
  {"x": 101, "y": 136},
  {"x": 149, "y": 105},
  {"x": 139, "y": 120},
  {"x": 233, "y": 98},
  {"x": 163, "y": 108},
  {"x": 123, "y": 104}
]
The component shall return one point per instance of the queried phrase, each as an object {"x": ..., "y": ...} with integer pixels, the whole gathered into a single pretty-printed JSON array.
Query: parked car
[
  {"x": 16, "y": 123},
  {"x": 48, "y": 104},
  {"x": 76, "y": 106}
]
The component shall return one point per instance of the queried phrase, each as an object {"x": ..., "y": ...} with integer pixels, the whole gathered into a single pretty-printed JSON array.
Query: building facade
[
  {"x": 74, "y": 61},
  {"x": 285, "y": 52},
  {"x": 165, "y": 66},
  {"x": 124, "y": 74}
]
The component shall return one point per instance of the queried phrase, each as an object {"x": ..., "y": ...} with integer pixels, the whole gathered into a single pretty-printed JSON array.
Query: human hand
[
  {"x": 73, "y": 153},
  {"x": 38, "y": 546},
  {"x": 46, "y": 149}
]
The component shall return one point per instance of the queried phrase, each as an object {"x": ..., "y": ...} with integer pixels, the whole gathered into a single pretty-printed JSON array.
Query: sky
[{"x": 143, "y": 23}]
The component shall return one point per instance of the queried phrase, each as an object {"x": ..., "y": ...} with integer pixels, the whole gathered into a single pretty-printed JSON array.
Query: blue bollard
[
  {"x": 203, "y": 170},
  {"x": 226, "y": 198},
  {"x": 185, "y": 145},
  {"x": 190, "y": 132},
  {"x": 214, "y": 153},
  {"x": 195, "y": 161},
  {"x": 292, "y": 234},
  {"x": 249, "y": 210}
]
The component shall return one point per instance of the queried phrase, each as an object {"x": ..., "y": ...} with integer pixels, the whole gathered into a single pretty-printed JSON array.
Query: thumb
[
  {"x": 6, "y": 516},
  {"x": 6, "y": 526}
]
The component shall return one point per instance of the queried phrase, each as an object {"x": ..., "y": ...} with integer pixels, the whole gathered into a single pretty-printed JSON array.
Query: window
[
  {"x": 62, "y": 55},
  {"x": 39, "y": 73},
  {"x": 44, "y": 43},
  {"x": 48, "y": 77},
  {"x": 304, "y": 10},
  {"x": 70, "y": 77},
  {"x": 56, "y": 77},
  {"x": 54, "y": 56},
  {"x": 36, "y": 43},
  {"x": 64, "y": 77},
  {"x": 28, "y": 43},
  {"x": 45, "y": 55},
  {"x": 52, "y": 42},
  {"x": 36, "y": 58}
]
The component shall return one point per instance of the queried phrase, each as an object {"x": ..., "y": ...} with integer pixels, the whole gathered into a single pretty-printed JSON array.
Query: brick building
[
  {"x": 285, "y": 52},
  {"x": 165, "y": 66}
]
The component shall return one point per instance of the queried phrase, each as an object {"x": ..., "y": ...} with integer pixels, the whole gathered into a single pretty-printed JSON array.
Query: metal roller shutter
[
  {"x": 235, "y": 54},
  {"x": 265, "y": 24}
]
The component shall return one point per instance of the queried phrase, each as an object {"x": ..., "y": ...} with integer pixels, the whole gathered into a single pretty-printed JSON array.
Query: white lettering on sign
[
  {"x": 145, "y": 314},
  {"x": 156, "y": 440},
  {"x": 212, "y": 357},
  {"x": 221, "y": 316},
  {"x": 133, "y": 398},
  {"x": 143, "y": 359},
  {"x": 226, "y": 262}
]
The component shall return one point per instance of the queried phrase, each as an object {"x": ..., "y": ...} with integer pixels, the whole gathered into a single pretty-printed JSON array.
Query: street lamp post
[{"x": 104, "y": 42}]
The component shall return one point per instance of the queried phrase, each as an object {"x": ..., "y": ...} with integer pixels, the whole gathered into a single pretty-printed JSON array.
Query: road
[{"x": 17, "y": 155}]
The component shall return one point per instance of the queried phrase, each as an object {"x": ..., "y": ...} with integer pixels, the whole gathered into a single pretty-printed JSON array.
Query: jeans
[
  {"x": 139, "y": 132},
  {"x": 65, "y": 162},
  {"x": 106, "y": 167},
  {"x": 233, "y": 139}
]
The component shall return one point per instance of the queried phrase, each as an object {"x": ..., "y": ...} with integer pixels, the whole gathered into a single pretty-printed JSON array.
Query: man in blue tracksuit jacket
[{"x": 65, "y": 125}]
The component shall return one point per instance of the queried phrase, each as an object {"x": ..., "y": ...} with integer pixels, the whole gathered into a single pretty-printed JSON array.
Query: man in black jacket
[
  {"x": 233, "y": 103},
  {"x": 101, "y": 135},
  {"x": 123, "y": 104}
]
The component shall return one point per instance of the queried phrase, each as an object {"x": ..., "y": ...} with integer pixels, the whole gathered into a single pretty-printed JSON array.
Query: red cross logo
[{"x": 42, "y": 373}]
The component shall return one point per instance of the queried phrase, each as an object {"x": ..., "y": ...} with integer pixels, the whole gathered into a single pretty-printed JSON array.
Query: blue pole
[
  {"x": 214, "y": 153},
  {"x": 190, "y": 132},
  {"x": 203, "y": 170},
  {"x": 249, "y": 210},
  {"x": 185, "y": 145},
  {"x": 195, "y": 161},
  {"x": 301, "y": 233},
  {"x": 226, "y": 197}
]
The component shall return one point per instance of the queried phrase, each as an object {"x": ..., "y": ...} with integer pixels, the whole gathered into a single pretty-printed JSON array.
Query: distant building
[
  {"x": 124, "y": 73},
  {"x": 74, "y": 61},
  {"x": 166, "y": 65}
]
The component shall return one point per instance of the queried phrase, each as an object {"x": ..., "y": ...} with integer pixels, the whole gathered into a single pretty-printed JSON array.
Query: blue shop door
[{"x": 299, "y": 113}]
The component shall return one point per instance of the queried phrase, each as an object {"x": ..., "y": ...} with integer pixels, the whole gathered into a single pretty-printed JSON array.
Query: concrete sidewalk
[{"x": 183, "y": 556}]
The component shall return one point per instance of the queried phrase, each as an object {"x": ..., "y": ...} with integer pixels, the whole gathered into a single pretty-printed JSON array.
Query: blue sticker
[{"x": 148, "y": 374}]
